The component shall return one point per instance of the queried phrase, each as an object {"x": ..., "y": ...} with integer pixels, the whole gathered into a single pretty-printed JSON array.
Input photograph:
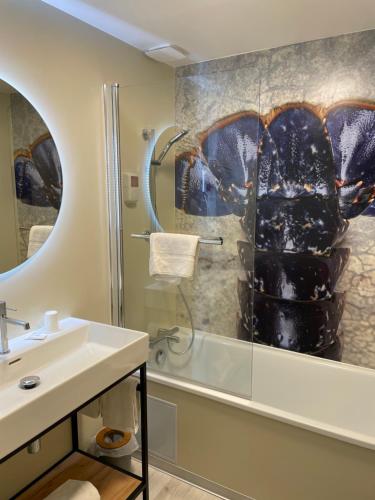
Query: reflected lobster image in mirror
[
  {"x": 38, "y": 174},
  {"x": 31, "y": 179},
  {"x": 294, "y": 177}
]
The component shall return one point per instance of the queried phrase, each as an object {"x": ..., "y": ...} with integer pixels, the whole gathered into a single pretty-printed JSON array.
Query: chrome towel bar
[{"x": 206, "y": 241}]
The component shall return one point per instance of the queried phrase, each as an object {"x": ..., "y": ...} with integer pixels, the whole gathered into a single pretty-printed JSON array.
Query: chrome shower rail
[{"x": 206, "y": 241}]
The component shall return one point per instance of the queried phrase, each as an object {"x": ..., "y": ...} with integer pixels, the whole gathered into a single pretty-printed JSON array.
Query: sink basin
[{"x": 74, "y": 365}]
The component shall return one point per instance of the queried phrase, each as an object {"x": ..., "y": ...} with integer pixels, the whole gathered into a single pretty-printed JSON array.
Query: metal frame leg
[
  {"x": 74, "y": 429},
  {"x": 144, "y": 438}
]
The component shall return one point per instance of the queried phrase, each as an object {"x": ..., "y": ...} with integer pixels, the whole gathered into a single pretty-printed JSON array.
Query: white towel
[
  {"x": 173, "y": 256},
  {"x": 93, "y": 409},
  {"x": 75, "y": 490},
  {"x": 120, "y": 406},
  {"x": 37, "y": 236}
]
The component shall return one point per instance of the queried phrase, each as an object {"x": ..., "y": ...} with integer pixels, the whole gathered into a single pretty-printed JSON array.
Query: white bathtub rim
[{"x": 342, "y": 434}]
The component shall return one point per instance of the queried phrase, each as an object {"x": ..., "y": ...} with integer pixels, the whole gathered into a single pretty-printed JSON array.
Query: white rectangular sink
[{"x": 74, "y": 364}]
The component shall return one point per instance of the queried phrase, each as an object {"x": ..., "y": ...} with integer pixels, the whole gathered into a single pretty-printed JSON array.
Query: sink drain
[{"x": 29, "y": 382}]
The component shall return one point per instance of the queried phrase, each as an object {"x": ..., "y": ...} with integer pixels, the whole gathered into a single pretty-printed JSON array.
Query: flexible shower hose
[{"x": 170, "y": 347}]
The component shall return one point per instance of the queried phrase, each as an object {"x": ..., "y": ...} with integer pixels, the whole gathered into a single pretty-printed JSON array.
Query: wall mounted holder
[{"x": 207, "y": 241}]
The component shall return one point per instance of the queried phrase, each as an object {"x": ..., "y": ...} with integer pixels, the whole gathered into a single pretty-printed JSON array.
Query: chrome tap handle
[{"x": 4, "y": 320}]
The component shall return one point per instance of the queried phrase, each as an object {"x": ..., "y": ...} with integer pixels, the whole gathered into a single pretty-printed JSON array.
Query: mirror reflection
[
  {"x": 30, "y": 179},
  {"x": 162, "y": 177}
]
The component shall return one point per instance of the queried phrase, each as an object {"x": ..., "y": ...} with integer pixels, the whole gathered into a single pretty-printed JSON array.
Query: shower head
[{"x": 168, "y": 146}]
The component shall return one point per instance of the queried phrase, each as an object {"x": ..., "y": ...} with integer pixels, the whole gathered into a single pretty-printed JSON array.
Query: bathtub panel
[{"x": 263, "y": 458}]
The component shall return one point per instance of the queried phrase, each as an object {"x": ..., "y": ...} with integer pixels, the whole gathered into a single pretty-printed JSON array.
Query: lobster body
[{"x": 302, "y": 172}]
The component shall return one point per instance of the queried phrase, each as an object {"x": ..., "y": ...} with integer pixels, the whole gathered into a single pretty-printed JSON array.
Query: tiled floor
[{"x": 166, "y": 487}]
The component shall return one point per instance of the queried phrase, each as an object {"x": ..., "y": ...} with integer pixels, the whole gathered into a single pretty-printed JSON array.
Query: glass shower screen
[{"x": 188, "y": 151}]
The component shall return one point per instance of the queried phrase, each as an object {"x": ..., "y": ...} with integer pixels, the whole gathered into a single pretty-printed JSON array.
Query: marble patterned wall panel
[
  {"x": 320, "y": 72},
  {"x": 27, "y": 124},
  {"x": 203, "y": 96}
]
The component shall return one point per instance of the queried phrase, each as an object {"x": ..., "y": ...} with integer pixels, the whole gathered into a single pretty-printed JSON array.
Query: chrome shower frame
[{"x": 114, "y": 202}]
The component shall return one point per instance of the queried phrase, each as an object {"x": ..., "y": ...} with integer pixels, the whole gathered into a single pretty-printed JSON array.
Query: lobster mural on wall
[{"x": 294, "y": 177}]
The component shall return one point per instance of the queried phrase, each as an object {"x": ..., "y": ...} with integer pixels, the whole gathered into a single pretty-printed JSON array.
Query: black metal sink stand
[{"x": 143, "y": 487}]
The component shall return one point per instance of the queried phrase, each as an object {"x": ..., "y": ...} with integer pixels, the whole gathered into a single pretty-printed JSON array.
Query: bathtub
[{"x": 327, "y": 397}]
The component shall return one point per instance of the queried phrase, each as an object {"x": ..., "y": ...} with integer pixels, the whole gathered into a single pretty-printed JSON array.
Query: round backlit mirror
[
  {"x": 162, "y": 177},
  {"x": 30, "y": 179}
]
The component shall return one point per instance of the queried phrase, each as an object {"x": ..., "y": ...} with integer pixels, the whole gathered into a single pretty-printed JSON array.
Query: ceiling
[{"x": 211, "y": 29}]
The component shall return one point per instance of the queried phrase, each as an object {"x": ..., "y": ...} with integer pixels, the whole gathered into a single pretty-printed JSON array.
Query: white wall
[{"x": 60, "y": 65}]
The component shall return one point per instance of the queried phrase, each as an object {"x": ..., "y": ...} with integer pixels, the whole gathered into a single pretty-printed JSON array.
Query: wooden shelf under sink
[{"x": 111, "y": 484}]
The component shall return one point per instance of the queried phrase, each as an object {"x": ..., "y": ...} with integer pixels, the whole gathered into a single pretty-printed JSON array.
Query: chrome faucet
[
  {"x": 166, "y": 334},
  {"x": 4, "y": 320}
]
